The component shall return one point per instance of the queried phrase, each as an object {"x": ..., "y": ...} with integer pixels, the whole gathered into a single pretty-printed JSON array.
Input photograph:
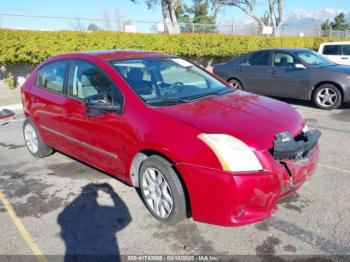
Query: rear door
[
  {"x": 285, "y": 80},
  {"x": 47, "y": 101},
  {"x": 253, "y": 72},
  {"x": 98, "y": 139}
]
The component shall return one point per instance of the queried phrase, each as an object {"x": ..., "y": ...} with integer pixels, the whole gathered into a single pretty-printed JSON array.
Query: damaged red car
[{"x": 193, "y": 145}]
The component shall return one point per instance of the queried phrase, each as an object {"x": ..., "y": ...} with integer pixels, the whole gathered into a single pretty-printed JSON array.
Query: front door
[
  {"x": 285, "y": 80},
  {"x": 98, "y": 138}
]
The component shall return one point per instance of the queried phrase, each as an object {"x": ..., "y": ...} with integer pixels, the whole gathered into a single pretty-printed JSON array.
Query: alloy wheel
[
  {"x": 236, "y": 84},
  {"x": 31, "y": 138},
  {"x": 327, "y": 97},
  {"x": 157, "y": 192}
]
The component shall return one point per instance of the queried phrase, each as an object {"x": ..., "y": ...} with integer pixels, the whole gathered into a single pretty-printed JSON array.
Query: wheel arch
[
  {"x": 237, "y": 79},
  {"x": 337, "y": 85},
  {"x": 142, "y": 156},
  {"x": 137, "y": 162},
  {"x": 234, "y": 78}
]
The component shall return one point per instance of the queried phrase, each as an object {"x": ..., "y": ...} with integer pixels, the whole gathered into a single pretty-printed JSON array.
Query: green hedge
[{"x": 33, "y": 47}]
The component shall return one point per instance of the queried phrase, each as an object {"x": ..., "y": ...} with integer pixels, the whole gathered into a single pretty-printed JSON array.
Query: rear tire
[
  {"x": 327, "y": 97},
  {"x": 162, "y": 191},
  {"x": 35, "y": 144}
]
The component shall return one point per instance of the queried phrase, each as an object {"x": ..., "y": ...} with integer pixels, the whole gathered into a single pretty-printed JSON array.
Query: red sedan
[{"x": 192, "y": 144}]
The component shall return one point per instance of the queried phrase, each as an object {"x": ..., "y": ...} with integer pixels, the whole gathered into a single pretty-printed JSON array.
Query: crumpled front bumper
[
  {"x": 298, "y": 149},
  {"x": 229, "y": 199}
]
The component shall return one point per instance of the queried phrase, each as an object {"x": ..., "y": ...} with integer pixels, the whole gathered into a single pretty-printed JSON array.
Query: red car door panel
[
  {"x": 90, "y": 138},
  {"x": 47, "y": 102},
  {"x": 48, "y": 111},
  {"x": 99, "y": 139}
]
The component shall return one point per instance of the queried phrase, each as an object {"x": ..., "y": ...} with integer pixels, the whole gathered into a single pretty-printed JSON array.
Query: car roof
[
  {"x": 122, "y": 54},
  {"x": 108, "y": 55},
  {"x": 336, "y": 43},
  {"x": 282, "y": 49}
]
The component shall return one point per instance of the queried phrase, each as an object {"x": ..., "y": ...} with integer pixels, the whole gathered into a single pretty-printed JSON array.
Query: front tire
[
  {"x": 236, "y": 84},
  {"x": 162, "y": 191},
  {"x": 33, "y": 140},
  {"x": 327, "y": 97}
]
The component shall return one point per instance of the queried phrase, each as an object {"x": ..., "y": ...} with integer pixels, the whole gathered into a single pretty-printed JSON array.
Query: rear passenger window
[
  {"x": 245, "y": 61},
  {"x": 52, "y": 76},
  {"x": 260, "y": 59},
  {"x": 332, "y": 50},
  {"x": 346, "y": 50}
]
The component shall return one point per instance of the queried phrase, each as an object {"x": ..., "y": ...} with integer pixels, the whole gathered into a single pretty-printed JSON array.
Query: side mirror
[
  {"x": 97, "y": 104},
  {"x": 299, "y": 66}
]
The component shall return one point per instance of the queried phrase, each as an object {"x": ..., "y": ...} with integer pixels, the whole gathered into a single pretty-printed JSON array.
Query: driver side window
[
  {"x": 87, "y": 80},
  {"x": 285, "y": 60}
]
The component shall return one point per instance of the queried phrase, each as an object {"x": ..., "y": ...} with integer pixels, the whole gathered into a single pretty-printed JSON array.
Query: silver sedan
[{"x": 291, "y": 73}]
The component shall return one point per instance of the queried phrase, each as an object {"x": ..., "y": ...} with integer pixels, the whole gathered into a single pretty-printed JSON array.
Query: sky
[{"x": 138, "y": 13}]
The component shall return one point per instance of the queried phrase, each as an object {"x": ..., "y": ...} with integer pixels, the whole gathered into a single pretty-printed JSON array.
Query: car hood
[
  {"x": 339, "y": 68},
  {"x": 251, "y": 118}
]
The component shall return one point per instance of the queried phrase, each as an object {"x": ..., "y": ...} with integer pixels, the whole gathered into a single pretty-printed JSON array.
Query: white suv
[{"x": 338, "y": 52}]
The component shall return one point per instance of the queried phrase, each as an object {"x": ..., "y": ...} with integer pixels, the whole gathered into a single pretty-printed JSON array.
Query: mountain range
[{"x": 301, "y": 18}]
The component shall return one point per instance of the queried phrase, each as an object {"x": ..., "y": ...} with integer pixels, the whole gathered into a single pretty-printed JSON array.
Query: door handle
[
  {"x": 271, "y": 72},
  {"x": 239, "y": 69},
  {"x": 345, "y": 58}
]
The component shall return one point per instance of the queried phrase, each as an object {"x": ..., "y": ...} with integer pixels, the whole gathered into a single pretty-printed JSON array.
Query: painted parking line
[
  {"x": 335, "y": 168},
  {"x": 24, "y": 232}
]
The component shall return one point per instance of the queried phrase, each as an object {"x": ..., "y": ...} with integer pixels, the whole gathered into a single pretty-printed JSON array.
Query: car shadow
[{"x": 89, "y": 229}]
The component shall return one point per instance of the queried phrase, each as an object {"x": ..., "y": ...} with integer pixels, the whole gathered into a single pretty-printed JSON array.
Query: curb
[{"x": 13, "y": 107}]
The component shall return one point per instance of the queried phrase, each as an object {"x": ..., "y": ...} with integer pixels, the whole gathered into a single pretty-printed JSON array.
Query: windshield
[
  {"x": 164, "y": 81},
  {"x": 313, "y": 59}
]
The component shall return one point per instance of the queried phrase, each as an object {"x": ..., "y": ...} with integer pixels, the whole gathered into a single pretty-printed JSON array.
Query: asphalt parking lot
[{"x": 66, "y": 207}]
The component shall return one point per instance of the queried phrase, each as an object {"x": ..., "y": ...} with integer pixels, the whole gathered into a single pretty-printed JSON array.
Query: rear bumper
[{"x": 228, "y": 199}]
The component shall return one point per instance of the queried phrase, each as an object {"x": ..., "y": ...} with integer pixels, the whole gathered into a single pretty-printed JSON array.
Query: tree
[
  {"x": 107, "y": 21},
  {"x": 115, "y": 21},
  {"x": 169, "y": 13},
  {"x": 77, "y": 26},
  {"x": 326, "y": 26},
  {"x": 198, "y": 13},
  {"x": 120, "y": 20},
  {"x": 93, "y": 27},
  {"x": 274, "y": 11},
  {"x": 183, "y": 17},
  {"x": 266, "y": 19},
  {"x": 339, "y": 24}
]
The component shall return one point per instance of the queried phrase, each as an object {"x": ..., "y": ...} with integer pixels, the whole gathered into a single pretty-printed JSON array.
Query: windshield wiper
[
  {"x": 166, "y": 101},
  {"x": 187, "y": 99},
  {"x": 217, "y": 92}
]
